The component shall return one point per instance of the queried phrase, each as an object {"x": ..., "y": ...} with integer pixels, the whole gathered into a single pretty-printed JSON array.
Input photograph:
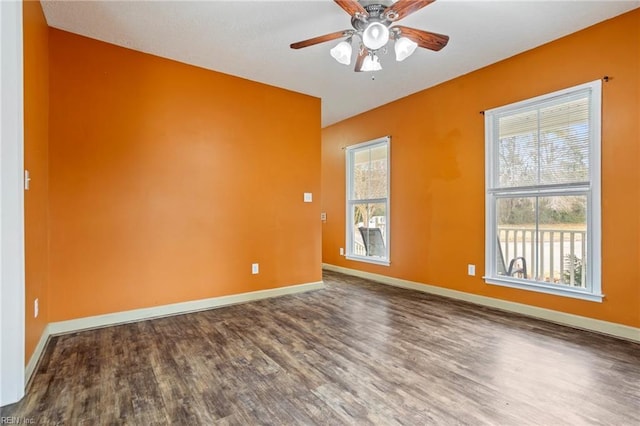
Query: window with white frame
[
  {"x": 543, "y": 193},
  {"x": 368, "y": 201}
]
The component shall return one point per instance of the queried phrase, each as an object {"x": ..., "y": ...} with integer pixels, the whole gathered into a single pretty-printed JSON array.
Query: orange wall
[
  {"x": 437, "y": 168},
  {"x": 167, "y": 181},
  {"x": 36, "y": 145}
]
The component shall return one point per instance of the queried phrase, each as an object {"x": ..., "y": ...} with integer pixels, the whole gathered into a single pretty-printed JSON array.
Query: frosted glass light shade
[
  {"x": 342, "y": 53},
  {"x": 371, "y": 63},
  {"x": 375, "y": 36},
  {"x": 404, "y": 48}
]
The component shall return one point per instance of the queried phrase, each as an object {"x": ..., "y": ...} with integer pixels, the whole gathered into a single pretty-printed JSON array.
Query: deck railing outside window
[{"x": 561, "y": 253}]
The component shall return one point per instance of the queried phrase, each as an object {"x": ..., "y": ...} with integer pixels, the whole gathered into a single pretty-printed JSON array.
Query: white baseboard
[
  {"x": 576, "y": 321},
  {"x": 116, "y": 318},
  {"x": 37, "y": 354}
]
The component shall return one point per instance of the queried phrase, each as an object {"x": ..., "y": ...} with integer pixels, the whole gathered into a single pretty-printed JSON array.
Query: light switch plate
[{"x": 308, "y": 197}]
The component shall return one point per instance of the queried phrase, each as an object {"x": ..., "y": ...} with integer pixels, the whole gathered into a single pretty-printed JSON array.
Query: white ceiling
[{"x": 251, "y": 39}]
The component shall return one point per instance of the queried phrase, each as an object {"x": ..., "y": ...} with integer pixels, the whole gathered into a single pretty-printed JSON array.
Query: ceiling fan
[{"x": 371, "y": 21}]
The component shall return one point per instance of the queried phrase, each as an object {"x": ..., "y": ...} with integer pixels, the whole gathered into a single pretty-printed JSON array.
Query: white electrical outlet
[
  {"x": 323, "y": 216},
  {"x": 341, "y": 251},
  {"x": 471, "y": 270},
  {"x": 255, "y": 268},
  {"x": 35, "y": 308}
]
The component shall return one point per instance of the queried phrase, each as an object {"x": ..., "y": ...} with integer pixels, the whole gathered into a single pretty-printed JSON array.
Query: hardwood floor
[{"x": 355, "y": 353}]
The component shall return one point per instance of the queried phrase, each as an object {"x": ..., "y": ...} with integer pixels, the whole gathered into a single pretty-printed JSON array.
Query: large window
[
  {"x": 543, "y": 193},
  {"x": 368, "y": 201}
]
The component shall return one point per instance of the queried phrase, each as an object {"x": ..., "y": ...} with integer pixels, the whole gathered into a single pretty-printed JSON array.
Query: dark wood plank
[{"x": 356, "y": 353}]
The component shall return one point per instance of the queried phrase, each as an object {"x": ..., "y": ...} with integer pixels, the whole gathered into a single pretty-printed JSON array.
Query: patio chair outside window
[
  {"x": 517, "y": 265},
  {"x": 373, "y": 241}
]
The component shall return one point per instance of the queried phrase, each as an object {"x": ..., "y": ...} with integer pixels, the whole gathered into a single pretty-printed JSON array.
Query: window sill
[
  {"x": 383, "y": 262},
  {"x": 544, "y": 288}
]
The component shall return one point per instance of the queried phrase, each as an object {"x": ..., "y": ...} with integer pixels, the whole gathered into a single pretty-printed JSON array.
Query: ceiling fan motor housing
[
  {"x": 383, "y": 3},
  {"x": 375, "y": 9}
]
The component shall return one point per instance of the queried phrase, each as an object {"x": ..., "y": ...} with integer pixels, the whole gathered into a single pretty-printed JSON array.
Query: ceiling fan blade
[
  {"x": 321, "y": 39},
  {"x": 360, "y": 60},
  {"x": 353, "y": 8},
  {"x": 425, "y": 39},
  {"x": 403, "y": 8}
]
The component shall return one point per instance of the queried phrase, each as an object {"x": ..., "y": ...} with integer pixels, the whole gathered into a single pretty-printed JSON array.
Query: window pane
[
  {"x": 543, "y": 239},
  {"x": 370, "y": 173},
  {"x": 564, "y": 142},
  {"x": 563, "y": 239},
  {"x": 369, "y": 229},
  {"x": 544, "y": 145},
  {"x": 516, "y": 235},
  {"x": 517, "y": 150}
]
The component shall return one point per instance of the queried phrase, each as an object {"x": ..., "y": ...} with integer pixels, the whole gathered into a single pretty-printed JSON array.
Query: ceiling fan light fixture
[
  {"x": 342, "y": 52},
  {"x": 404, "y": 48},
  {"x": 375, "y": 36},
  {"x": 371, "y": 63}
]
